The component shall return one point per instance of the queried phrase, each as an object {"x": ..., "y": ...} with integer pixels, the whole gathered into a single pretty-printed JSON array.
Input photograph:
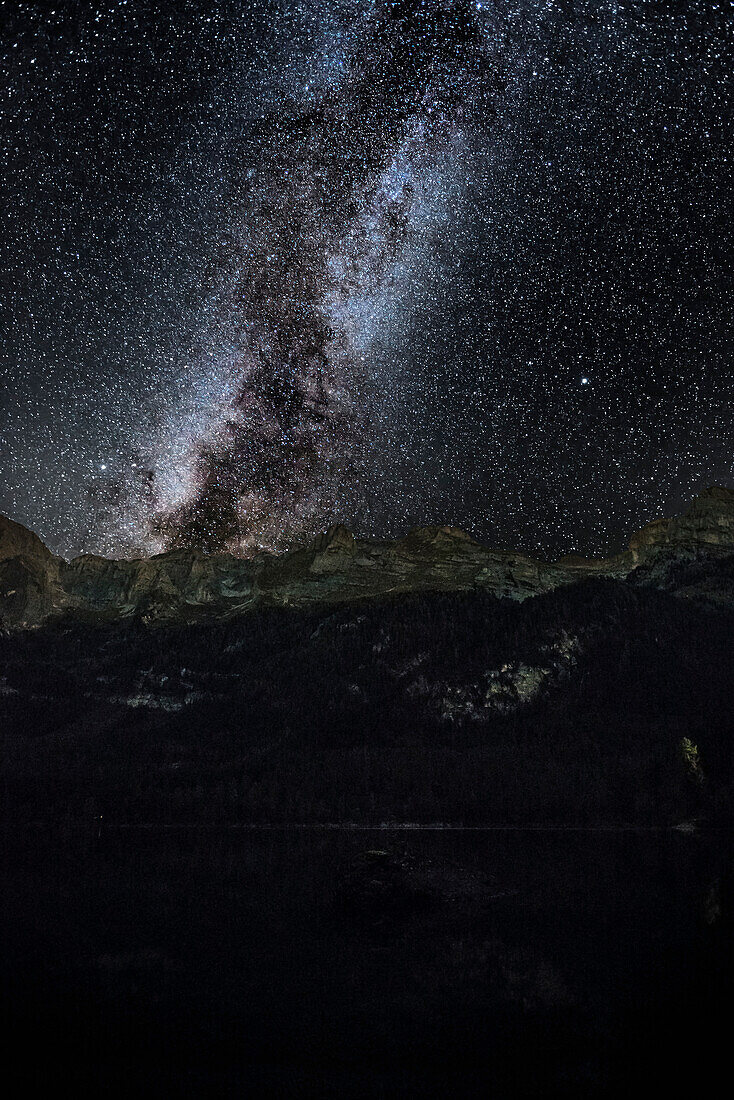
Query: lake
[{"x": 383, "y": 963}]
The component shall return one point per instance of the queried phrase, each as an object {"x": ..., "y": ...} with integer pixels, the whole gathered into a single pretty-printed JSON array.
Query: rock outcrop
[
  {"x": 690, "y": 554},
  {"x": 30, "y": 588},
  {"x": 708, "y": 522}
]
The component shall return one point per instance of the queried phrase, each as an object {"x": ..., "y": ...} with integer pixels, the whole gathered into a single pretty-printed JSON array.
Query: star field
[{"x": 268, "y": 266}]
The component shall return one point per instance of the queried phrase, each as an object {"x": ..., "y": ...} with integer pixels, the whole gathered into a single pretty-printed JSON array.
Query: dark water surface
[{"x": 291, "y": 964}]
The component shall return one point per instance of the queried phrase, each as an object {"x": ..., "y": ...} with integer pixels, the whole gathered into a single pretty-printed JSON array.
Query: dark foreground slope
[{"x": 604, "y": 702}]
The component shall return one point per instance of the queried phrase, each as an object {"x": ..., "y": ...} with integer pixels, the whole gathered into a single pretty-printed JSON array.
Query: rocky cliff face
[
  {"x": 35, "y": 585},
  {"x": 29, "y": 576},
  {"x": 707, "y": 523}
]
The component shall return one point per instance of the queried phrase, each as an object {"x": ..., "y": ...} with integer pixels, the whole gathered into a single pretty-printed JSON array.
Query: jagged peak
[
  {"x": 437, "y": 535},
  {"x": 336, "y": 539},
  {"x": 81, "y": 559},
  {"x": 716, "y": 497},
  {"x": 708, "y": 520},
  {"x": 19, "y": 541},
  {"x": 181, "y": 553},
  {"x": 717, "y": 492}
]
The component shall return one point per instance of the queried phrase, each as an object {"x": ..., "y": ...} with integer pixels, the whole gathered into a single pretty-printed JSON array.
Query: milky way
[
  {"x": 336, "y": 197},
  {"x": 268, "y": 266}
]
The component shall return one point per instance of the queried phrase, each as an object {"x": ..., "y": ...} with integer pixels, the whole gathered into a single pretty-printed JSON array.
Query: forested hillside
[{"x": 598, "y": 703}]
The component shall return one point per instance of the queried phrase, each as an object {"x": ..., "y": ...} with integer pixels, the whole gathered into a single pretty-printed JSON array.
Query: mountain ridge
[{"x": 185, "y": 584}]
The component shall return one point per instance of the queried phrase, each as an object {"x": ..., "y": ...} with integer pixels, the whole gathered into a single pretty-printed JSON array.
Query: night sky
[{"x": 268, "y": 265}]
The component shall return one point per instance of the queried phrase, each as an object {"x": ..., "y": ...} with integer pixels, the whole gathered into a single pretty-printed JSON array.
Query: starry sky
[{"x": 270, "y": 265}]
